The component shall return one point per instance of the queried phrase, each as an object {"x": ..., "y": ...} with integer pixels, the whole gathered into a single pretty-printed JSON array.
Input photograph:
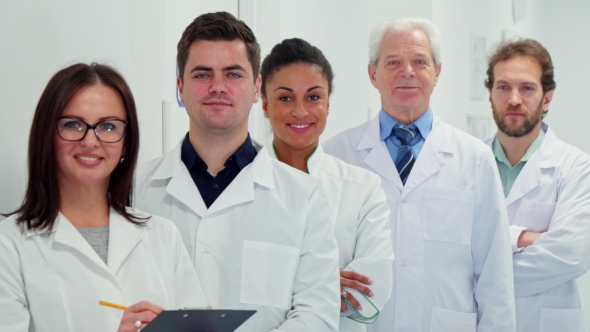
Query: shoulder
[
  {"x": 350, "y": 137},
  {"x": 145, "y": 170},
  {"x": 462, "y": 142},
  {"x": 9, "y": 226},
  {"x": 334, "y": 167},
  {"x": 154, "y": 224}
]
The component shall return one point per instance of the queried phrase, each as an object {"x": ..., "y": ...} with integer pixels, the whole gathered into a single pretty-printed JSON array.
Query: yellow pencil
[{"x": 112, "y": 305}]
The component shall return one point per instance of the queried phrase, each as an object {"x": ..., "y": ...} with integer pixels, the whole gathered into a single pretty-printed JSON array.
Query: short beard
[{"x": 528, "y": 125}]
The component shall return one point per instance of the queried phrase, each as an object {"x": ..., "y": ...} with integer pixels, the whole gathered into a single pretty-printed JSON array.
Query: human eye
[
  {"x": 200, "y": 75},
  {"x": 234, "y": 75},
  {"x": 393, "y": 62},
  {"x": 285, "y": 98},
  {"x": 314, "y": 97},
  {"x": 72, "y": 124},
  {"x": 528, "y": 88},
  {"x": 108, "y": 125},
  {"x": 420, "y": 62}
]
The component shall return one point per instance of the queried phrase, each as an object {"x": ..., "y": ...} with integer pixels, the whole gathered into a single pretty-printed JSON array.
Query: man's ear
[
  {"x": 180, "y": 87},
  {"x": 547, "y": 99},
  {"x": 257, "y": 85},
  {"x": 371, "y": 70}
]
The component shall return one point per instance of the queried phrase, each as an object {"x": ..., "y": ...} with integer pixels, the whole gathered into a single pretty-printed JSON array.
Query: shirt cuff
[{"x": 515, "y": 232}]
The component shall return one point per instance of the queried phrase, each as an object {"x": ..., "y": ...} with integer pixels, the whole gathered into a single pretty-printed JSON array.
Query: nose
[
  {"x": 299, "y": 111},
  {"x": 217, "y": 85},
  {"x": 514, "y": 98},
  {"x": 90, "y": 139},
  {"x": 407, "y": 70}
]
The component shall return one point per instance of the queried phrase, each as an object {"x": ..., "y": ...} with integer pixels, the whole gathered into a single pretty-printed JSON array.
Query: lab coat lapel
[
  {"x": 430, "y": 159},
  {"x": 378, "y": 158},
  {"x": 241, "y": 189},
  {"x": 530, "y": 175},
  {"x": 123, "y": 237},
  {"x": 181, "y": 185},
  {"x": 66, "y": 234}
]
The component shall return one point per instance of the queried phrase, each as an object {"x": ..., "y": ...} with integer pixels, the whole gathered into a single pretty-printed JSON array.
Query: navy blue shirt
[{"x": 209, "y": 186}]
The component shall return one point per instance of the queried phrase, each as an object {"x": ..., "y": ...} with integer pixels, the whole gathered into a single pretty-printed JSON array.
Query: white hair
[{"x": 408, "y": 24}]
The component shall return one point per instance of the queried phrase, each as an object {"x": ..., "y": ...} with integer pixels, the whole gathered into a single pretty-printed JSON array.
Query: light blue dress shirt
[{"x": 387, "y": 123}]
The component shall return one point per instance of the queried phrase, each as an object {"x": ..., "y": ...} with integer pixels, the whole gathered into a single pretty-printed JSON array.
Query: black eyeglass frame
[{"x": 93, "y": 127}]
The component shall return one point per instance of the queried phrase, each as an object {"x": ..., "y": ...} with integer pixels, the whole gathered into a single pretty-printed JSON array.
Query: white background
[{"x": 139, "y": 37}]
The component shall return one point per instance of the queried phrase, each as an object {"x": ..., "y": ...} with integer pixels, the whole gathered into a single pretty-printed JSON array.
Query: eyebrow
[
  {"x": 291, "y": 90},
  {"x": 209, "y": 69},
  {"x": 522, "y": 83},
  {"x": 99, "y": 119}
]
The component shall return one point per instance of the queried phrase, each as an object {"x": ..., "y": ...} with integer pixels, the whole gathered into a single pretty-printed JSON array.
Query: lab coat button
[
  {"x": 403, "y": 202},
  {"x": 215, "y": 186},
  {"x": 204, "y": 251}
]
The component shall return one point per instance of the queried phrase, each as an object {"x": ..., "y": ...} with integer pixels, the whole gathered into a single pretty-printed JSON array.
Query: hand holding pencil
[{"x": 137, "y": 316}]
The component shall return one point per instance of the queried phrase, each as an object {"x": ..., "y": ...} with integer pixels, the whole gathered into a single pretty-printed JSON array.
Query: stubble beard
[{"x": 528, "y": 125}]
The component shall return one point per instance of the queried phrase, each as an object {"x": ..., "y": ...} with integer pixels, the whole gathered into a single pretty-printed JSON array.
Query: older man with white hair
[{"x": 453, "y": 267}]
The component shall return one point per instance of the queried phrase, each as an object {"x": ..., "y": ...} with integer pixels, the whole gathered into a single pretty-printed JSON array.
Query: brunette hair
[
  {"x": 42, "y": 198},
  {"x": 219, "y": 26},
  {"x": 291, "y": 51},
  {"x": 527, "y": 48}
]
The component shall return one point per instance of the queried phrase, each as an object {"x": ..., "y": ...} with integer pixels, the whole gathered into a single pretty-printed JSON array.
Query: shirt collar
[
  {"x": 387, "y": 123},
  {"x": 243, "y": 156},
  {"x": 501, "y": 156}
]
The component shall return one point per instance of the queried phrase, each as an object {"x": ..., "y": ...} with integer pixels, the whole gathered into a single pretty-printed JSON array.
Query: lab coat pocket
[
  {"x": 535, "y": 216},
  {"x": 447, "y": 215},
  {"x": 268, "y": 271},
  {"x": 443, "y": 320},
  {"x": 561, "y": 320}
]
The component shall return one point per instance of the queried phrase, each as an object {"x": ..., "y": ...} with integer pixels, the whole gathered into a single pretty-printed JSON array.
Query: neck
[
  {"x": 296, "y": 158},
  {"x": 85, "y": 205},
  {"x": 216, "y": 149},
  {"x": 405, "y": 116},
  {"x": 515, "y": 147}
]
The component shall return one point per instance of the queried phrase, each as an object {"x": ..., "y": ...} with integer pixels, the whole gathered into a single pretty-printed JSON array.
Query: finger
[
  {"x": 356, "y": 276},
  {"x": 356, "y": 285},
  {"x": 145, "y": 317},
  {"x": 343, "y": 306},
  {"x": 353, "y": 301},
  {"x": 145, "y": 306}
]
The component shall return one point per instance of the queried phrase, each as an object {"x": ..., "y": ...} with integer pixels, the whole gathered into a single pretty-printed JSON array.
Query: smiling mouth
[
  {"x": 300, "y": 126},
  {"x": 87, "y": 158}
]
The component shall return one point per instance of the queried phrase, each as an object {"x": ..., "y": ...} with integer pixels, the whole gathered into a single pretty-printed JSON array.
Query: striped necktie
[{"x": 405, "y": 159}]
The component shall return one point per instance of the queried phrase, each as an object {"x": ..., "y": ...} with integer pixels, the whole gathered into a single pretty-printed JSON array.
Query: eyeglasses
[{"x": 107, "y": 131}]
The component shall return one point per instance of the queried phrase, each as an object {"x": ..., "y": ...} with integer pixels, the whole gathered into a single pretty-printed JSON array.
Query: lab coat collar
[
  {"x": 182, "y": 187},
  {"x": 430, "y": 160},
  {"x": 428, "y": 163},
  {"x": 123, "y": 237},
  {"x": 312, "y": 162},
  {"x": 547, "y": 156},
  {"x": 378, "y": 157}
]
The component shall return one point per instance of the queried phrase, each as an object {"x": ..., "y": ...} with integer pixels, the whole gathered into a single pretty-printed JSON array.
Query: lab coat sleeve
[
  {"x": 563, "y": 252},
  {"x": 515, "y": 232},
  {"x": 491, "y": 252},
  {"x": 316, "y": 296},
  {"x": 373, "y": 256},
  {"x": 13, "y": 299}
]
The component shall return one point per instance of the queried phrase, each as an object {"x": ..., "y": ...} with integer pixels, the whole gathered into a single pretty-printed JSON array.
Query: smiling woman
[
  {"x": 74, "y": 241},
  {"x": 296, "y": 86}
]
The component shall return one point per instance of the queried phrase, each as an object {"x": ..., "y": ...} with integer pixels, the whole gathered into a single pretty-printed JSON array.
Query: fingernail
[
  {"x": 371, "y": 293},
  {"x": 370, "y": 281},
  {"x": 360, "y": 307}
]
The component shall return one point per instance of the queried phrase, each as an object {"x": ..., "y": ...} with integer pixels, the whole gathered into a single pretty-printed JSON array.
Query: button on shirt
[
  {"x": 387, "y": 123},
  {"x": 211, "y": 186},
  {"x": 508, "y": 174}
]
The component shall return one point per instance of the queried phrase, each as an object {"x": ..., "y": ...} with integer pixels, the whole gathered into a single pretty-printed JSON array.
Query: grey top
[{"x": 98, "y": 238}]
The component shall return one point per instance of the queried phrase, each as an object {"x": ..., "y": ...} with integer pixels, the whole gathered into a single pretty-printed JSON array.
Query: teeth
[
  {"x": 300, "y": 126},
  {"x": 87, "y": 158}
]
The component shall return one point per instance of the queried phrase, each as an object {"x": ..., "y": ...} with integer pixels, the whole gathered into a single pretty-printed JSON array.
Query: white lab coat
[
  {"x": 551, "y": 194},
  {"x": 361, "y": 224},
  {"x": 53, "y": 281},
  {"x": 266, "y": 243},
  {"x": 452, "y": 269}
]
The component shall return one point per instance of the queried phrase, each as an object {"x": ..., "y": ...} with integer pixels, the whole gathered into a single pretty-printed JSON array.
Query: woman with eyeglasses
[
  {"x": 296, "y": 86},
  {"x": 74, "y": 241}
]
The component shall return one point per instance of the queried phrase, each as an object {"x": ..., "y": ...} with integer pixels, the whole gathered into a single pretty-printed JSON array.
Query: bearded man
[{"x": 547, "y": 187}]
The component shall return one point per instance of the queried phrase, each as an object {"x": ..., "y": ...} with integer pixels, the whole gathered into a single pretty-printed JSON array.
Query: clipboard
[{"x": 199, "y": 320}]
